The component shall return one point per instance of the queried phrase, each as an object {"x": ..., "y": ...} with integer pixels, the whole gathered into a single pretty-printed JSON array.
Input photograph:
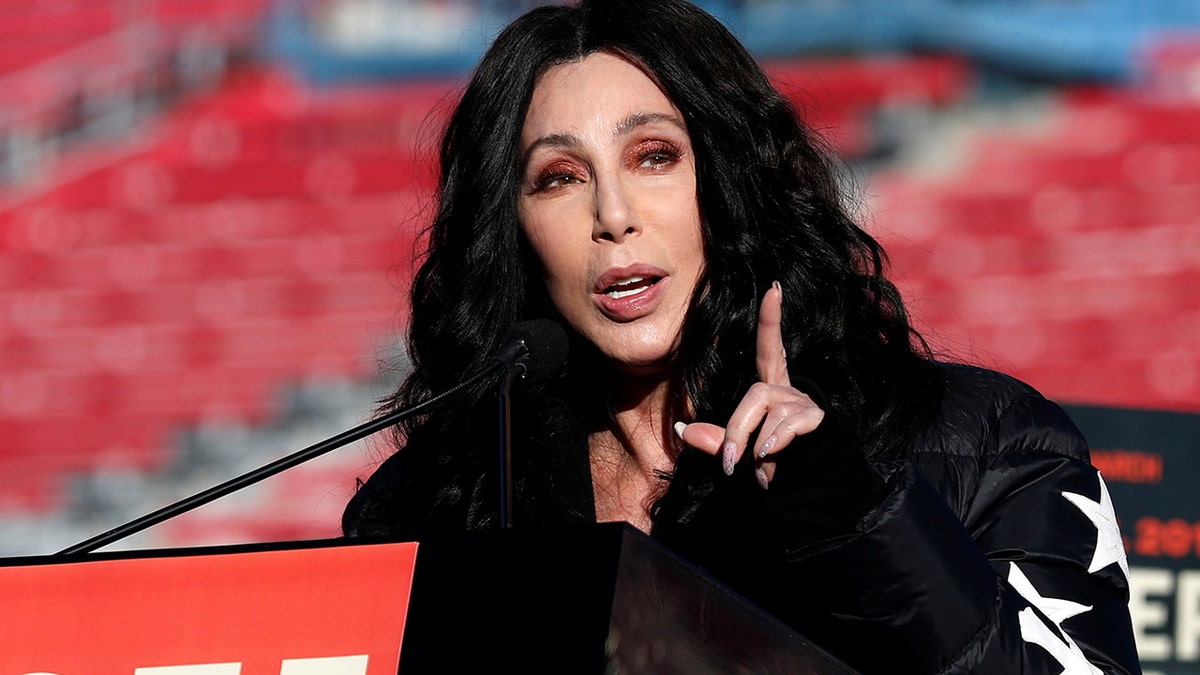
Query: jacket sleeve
[
  {"x": 918, "y": 592},
  {"x": 1015, "y": 565},
  {"x": 993, "y": 549}
]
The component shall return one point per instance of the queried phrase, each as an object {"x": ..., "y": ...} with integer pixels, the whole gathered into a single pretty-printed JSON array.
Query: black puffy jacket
[{"x": 994, "y": 547}]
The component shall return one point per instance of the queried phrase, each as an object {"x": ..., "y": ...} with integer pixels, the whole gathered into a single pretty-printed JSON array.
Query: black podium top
[{"x": 595, "y": 599}]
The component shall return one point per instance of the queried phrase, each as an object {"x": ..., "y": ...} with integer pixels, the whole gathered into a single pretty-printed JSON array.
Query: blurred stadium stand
[{"x": 207, "y": 209}]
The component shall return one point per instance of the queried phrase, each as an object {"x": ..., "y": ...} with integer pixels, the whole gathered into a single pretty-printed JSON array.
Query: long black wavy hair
[{"x": 771, "y": 207}]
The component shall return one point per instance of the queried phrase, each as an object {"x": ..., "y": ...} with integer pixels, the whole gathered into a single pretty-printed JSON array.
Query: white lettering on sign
[
  {"x": 1149, "y": 614},
  {"x": 1187, "y": 616},
  {"x": 336, "y": 665},
  {"x": 332, "y": 665},
  {"x": 198, "y": 669},
  {"x": 1153, "y": 594}
]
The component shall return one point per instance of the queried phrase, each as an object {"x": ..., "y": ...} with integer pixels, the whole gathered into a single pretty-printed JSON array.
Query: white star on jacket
[
  {"x": 1034, "y": 629},
  {"x": 1068, "y": 654},
  {"x": 1109, "y": 547},
  {"x": 1056, "y": 609}
]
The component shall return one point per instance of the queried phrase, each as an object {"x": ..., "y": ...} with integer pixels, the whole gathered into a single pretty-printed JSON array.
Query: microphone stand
[
  {"x": 503, "y": 399},
  {"x": 264, "y": 472}
]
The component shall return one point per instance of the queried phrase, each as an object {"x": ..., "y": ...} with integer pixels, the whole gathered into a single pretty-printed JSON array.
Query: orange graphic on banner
[{"x": 1128, "y": 466}]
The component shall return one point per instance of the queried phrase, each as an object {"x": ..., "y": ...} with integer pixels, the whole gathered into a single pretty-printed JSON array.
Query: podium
[
  {"x": 595, "y": 599},
  {"x": 598, "y": 599}
]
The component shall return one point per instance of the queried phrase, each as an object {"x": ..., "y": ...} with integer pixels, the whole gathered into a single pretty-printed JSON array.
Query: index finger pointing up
[{"x": 771, "y": 357}]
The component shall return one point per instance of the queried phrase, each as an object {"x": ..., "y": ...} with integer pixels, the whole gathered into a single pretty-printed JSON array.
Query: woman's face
[{"x": 608, "y": 202}]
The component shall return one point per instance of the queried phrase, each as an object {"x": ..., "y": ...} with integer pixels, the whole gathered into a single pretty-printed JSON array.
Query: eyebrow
[
  {"x": 642, "y": 119},
  {"x": 623, "y": 127},
  {"x": 553, "y": 141}
]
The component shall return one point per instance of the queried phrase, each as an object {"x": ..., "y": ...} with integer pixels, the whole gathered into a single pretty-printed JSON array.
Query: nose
[{"x": 615, "y": 217}]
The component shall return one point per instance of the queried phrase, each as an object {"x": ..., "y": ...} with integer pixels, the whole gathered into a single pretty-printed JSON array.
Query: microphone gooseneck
[
  {"x": 247, "y": 479},
  {"x": 533, "y": 348}
]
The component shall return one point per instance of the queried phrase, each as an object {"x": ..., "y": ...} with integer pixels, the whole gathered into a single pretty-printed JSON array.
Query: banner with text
[
  {"x": 336, "y": 610},
  {"x": 1151, "y": 460}
]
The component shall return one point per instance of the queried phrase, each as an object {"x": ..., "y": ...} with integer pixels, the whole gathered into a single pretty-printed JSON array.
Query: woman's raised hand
[{"x": 772, "y": 406}]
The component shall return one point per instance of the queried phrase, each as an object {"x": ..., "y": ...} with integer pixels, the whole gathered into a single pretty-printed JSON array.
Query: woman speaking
[{"x": 744, "y": 383}]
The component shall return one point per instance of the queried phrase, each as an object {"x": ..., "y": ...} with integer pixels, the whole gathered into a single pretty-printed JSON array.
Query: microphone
[{"x": 536, "y": 349}]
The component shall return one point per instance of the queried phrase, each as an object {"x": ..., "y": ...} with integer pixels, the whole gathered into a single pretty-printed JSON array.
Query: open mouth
[{"x": 631, "y": 286}]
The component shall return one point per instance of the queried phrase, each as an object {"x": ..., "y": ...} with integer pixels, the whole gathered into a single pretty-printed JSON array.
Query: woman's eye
[
  {"x": 558, "y": 181},
  {"x": 554, "y": 176},
  {"x": 657, "y": 155}
]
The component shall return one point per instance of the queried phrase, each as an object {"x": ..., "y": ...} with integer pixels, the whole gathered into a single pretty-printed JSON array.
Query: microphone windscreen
[{"x": 546, "y": 348}]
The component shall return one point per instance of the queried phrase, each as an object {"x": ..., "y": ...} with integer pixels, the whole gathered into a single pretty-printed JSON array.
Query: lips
[
  {"x": 631, "y": 286},
  {"x": 629, "y": 293}
]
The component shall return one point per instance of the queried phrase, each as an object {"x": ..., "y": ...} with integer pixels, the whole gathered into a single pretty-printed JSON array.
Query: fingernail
[
  {"x": 777, "y": 286},
  {"x": 728, "y": 457},
  {"x": 679, "y": 427},
  {"x": 766, "y": 446},
  {"x": 762, "y": 479}
]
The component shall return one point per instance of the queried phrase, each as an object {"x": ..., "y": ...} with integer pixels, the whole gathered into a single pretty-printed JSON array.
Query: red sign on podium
[{"x": 337, "y": 610}]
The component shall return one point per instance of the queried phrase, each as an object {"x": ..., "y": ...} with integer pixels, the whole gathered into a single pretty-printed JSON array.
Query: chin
[
  {"x": 652, "y": 359},
  {"x": 640, "y": 349}
]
